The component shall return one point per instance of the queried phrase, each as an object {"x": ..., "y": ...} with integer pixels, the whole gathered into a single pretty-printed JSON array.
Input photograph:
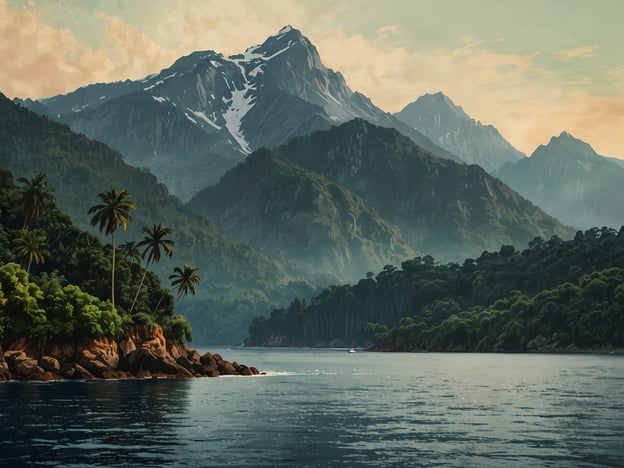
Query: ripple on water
[{"x": 323, "y": 409}]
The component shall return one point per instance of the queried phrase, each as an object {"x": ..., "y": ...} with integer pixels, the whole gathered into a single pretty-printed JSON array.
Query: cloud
[
  {"x": 527, "y": 102},
  {"x": 386, "y": 31},
  {"x": 226, "y": 27},
  {"x": 39, "y": 60},
  {"x": 584, "y": 52},
  {"x": 521, "y": 93},
  {"x": 133, "y": 53}
]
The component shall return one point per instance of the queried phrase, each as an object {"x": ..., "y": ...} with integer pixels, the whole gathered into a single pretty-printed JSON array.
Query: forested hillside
[
  {"x": 315, "y": 228},
  {"x": 569, "y": 293},
  {"x": 239, "y": 283},
  {"x": 442, "y": 208},
  {"x": 55, "y": 279}
]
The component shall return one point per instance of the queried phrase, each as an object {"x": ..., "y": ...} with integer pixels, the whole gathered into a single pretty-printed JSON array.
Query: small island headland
[{"x": 142, "y": 353}]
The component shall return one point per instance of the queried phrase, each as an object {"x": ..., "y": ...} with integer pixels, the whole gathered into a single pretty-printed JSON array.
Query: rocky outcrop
[{"x": 144, "y": 352}]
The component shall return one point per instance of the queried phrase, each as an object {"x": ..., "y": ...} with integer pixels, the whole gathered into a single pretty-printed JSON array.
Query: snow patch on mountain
[
  {"x": 205, "y": 118},
  {"x": 285, "y": 30},
  {"x": 239, "y": 105},
  {"x": 241, "y": 102}
]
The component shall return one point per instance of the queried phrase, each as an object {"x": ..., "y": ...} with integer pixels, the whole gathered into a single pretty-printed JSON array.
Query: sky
[{"x": 531, "y": 68}]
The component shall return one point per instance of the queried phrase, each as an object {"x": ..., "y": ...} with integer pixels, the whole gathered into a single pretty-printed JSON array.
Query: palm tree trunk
[
  {"x": 136, "y": 296},
  {"x": 113, "y": 271},
  {"x": 158, "y": 305}
]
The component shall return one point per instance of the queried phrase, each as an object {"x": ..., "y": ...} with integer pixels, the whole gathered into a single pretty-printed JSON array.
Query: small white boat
[{"x": 352, "y": 350}]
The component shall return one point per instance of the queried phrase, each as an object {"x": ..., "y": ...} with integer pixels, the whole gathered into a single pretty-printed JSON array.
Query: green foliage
[
  {"x": 46, "y": 311},
  {"x": 31, "y": 246},
  {"x": 33, "y": 198},
  {"x": 177, "y": 329},
  {"x": 569, "y": 292},
  {"x": 238, "y": 282},
  {"x": 111, "y": 213},
  {"x": 67, "y": 296},
  {"x": 143, "y": 318},
  {"x": 185, "y": 279}
]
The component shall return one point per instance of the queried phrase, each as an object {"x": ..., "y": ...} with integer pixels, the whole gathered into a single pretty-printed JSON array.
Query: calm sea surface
[{"x": 331, "y": 408}]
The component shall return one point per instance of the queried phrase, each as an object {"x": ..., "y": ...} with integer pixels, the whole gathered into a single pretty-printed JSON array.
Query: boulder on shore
[{"x": 142, "y": 353}]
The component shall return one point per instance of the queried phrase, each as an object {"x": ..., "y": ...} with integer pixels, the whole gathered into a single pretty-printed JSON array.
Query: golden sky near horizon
[{"x": 532, "y": 69}]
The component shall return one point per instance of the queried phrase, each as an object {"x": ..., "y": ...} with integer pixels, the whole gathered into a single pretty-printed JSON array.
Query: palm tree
[
  {"x": 113, "y": 212},
  {"x": 31, "y": 246},
  {"x": 130, "y": 251},
  {"x": 156, "y": 243},
  {"x": 185, "y": 279},
  {"x": 33, "y": 197}
]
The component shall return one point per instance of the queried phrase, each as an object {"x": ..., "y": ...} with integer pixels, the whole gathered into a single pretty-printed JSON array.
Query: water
[{"x": 331, "y": 408}]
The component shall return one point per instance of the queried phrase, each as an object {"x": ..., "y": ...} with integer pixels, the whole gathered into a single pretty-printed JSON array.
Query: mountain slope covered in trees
[
  {"x": 238, "y": 281},
  {"x": 55, "y": 279},
  {"x": 313, "y": 226},
  {"x": 445, "y": 209},
  {"x": 569, "y": 293}
]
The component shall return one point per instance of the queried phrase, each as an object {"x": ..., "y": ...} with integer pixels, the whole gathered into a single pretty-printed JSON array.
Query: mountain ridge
[
  {"x": 236, "y": 279},
  {"x": 446, "y": 209},
  {"x": 316, "y": 227},
  {"x": 238, "y": 102},
  {"x": 448, "y": 125},
  {"x": 570, "y": 181}
]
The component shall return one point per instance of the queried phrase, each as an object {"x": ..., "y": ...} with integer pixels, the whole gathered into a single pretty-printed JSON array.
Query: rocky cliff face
[
  {"x": 569, "y": 180},
  {"x": 437, "y": 117},
  {"x": 309, "y": 224},
  {"x": 449, "y": 210},
  {"x": 143, "y": 353}
]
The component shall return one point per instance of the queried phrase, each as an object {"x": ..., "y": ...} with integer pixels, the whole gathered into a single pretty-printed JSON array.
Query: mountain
[
  {"x": 446, "y": 209},
  {"x": 237, "y": 281},
  {"x": 619, "y": 162},
  {"x": 192, "y": 121},
  {"x": 437, "y": 117},
  {"x": 307, "y": 223},
  {"x": 569, "y": 180}
]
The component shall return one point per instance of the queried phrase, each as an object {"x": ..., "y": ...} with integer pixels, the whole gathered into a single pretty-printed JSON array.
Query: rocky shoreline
[{"x": 144, "y": 353}]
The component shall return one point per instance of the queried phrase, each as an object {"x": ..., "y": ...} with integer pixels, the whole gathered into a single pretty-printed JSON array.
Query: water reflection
[
  {"x": 130, "y": 422},
  {"x": 331, "y": 409}
]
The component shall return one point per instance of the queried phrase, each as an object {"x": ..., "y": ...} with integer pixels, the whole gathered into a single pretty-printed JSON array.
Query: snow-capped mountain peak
[{"x": 206, "y": 105}]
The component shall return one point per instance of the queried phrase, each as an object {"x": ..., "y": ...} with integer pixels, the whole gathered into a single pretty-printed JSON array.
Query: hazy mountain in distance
[
  {"x": 313, "y": 226},
  {"x": 192, "y": 121},
  {"x": 446, "y": 124},
  {"x": 449, "y": 210},
  {"x": 569, "y": 180}
]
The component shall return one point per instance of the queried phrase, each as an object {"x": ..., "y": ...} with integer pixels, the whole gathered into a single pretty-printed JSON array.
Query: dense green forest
[
  {"x": 55, "y": 279},
  {"x": 554, "y": 292},
  {"x": 238, "y": 282}
]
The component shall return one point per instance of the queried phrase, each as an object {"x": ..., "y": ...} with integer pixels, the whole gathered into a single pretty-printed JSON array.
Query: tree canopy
[
  {"x": 62, "y": 289},
  {"x": 563, "y": 290}
]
